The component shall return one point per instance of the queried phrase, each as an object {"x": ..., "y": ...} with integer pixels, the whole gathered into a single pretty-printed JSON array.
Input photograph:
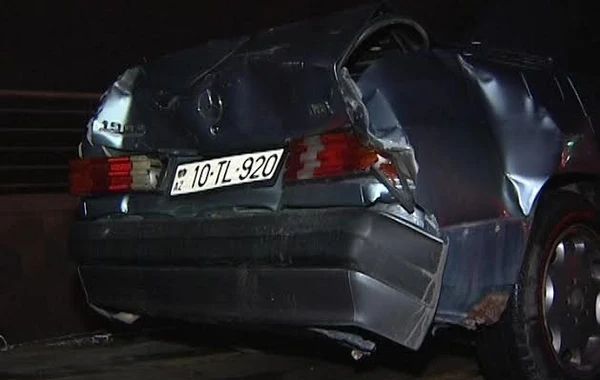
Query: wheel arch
[
  {"x": 519, "y": 325},
  {"x": 485, "y": 302},
  {"x": 584, "y": 184}
]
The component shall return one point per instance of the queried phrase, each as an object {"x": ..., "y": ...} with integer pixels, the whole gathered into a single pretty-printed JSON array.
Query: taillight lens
[
  {"x": 115, "y": 174},
  {"x": 333, "y": 155}
]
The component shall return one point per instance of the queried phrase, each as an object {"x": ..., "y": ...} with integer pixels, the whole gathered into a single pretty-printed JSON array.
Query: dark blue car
[{"x": 350, "y": 176}]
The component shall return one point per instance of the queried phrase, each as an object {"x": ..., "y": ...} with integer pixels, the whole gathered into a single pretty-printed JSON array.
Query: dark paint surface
[{"x": 490, "y": 130}]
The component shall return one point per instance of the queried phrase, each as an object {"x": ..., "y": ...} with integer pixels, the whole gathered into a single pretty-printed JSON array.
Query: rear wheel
[{"x": 551, "y": 327}]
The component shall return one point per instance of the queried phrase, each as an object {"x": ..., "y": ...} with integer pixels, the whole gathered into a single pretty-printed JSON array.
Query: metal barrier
[{"x": 39, "y": 134}]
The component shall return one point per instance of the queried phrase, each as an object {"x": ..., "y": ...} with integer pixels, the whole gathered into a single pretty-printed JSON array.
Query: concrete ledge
[{"x": 40, "y": 295}]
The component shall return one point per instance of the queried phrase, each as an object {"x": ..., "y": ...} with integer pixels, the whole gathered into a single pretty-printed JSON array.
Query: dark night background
[{"x": 81, "y": 45}]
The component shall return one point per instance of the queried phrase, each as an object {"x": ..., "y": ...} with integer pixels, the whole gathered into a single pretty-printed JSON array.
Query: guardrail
[{"x": 39, "y": 134}]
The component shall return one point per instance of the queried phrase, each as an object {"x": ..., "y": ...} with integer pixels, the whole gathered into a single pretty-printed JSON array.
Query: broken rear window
[{"x": 401, "y": 36}]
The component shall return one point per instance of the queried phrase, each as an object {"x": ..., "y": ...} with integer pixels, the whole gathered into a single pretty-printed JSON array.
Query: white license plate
[{"x": 226, "y": 171}]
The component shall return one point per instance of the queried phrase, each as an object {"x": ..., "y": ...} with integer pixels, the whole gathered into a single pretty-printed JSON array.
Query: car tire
[{"x": 544, "y": 322}]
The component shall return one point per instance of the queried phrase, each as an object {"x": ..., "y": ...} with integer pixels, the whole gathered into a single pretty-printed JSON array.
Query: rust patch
[{"x": 488, "y": 310}]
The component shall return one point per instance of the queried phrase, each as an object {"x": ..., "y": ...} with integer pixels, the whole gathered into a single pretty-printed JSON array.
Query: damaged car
[{"x": 350, "y": 176}]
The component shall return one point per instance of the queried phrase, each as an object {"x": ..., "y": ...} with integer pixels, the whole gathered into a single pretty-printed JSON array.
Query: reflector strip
[{"x": 309, "y": 158}]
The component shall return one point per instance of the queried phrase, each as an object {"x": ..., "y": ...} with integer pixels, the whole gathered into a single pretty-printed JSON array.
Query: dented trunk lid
[{"x": 232, "y": 95}]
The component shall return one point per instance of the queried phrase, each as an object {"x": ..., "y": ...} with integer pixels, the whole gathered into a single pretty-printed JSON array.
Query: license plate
[{"x": 226, "y": 171}]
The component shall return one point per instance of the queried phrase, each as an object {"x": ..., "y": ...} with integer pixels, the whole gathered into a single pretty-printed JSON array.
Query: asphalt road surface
[{"x": 209, "y": 353}]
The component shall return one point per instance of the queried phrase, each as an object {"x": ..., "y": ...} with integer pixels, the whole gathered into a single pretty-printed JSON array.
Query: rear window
[{"x": 398, "y": 37}]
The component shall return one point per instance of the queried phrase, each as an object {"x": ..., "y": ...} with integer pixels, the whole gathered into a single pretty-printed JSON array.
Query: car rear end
[{"x": 251, "y": 217}]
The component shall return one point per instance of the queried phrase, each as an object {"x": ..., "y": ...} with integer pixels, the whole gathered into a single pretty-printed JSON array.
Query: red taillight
[
  {"x": 331, "y": 155},
  {"x": 116, "y": 174}
]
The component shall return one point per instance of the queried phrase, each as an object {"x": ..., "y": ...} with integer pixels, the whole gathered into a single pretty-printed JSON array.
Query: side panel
[
  {"x": 483, "y": 261},
  {"x": 488, "y": 133}
]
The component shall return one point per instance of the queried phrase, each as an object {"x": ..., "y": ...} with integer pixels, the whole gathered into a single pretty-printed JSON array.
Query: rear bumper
[{"x": 318, "y": 268}]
